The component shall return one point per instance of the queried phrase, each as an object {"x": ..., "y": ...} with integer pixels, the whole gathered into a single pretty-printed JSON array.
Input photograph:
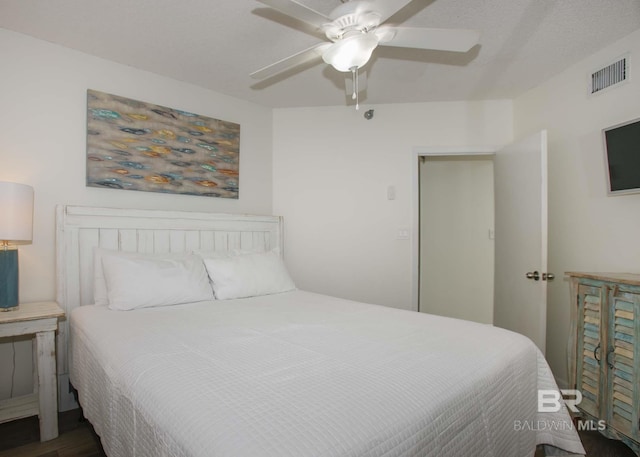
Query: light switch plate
[
  {"x": 391, "y": 192},
  {"x": 403, "y": 234}
]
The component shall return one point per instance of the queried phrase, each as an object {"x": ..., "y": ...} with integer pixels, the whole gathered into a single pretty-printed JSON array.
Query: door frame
[{"x": 432, "y": 151}]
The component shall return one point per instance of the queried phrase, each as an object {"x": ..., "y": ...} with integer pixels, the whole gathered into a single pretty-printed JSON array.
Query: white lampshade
[
  {"x": 352, "y": 51},
  {"x": 16, "y": 212}
]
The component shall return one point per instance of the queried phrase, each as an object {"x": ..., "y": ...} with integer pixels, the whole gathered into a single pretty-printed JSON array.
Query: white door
[{"x": 520, "y": 173}]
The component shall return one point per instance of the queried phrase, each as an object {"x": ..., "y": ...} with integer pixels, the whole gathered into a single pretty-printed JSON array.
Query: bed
[{"x": 290, "y": 373}]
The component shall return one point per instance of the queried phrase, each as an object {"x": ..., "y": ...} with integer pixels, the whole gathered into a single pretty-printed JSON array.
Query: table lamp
[{"x": 16, "y": 227}]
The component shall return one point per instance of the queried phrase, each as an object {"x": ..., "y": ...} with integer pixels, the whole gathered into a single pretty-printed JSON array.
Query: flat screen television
[{"x": 622, "y": 150}]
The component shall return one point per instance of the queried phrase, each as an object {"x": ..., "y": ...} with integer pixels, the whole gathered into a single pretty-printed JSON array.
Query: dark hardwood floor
[
  {"x": 598, "y": 446},
  {"x": 21, "y": 438},
  {"x": 77, "y": 439}
]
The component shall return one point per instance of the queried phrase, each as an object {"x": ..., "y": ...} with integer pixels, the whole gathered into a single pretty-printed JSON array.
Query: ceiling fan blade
[
  {"x": 308, "y": 55},
  {"x": 457, "y": 40},
  {"x": 298, "y": 11}
]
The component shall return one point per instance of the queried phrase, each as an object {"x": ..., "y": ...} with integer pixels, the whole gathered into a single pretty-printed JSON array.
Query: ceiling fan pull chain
[{"x": 355, "y": 95}]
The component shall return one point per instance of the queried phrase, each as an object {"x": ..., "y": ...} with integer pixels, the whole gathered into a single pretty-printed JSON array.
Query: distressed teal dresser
[{"x": 604, "y": 361}]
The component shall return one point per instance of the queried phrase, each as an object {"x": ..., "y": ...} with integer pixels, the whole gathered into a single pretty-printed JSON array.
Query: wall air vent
[{"x": 608, "y": 76}]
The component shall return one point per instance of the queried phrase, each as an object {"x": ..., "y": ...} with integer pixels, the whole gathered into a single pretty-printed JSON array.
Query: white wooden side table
[{"x": 40, "y": 320}]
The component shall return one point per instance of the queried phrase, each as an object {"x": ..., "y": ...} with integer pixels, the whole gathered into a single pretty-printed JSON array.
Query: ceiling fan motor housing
[{"x": 352, "y": 22}]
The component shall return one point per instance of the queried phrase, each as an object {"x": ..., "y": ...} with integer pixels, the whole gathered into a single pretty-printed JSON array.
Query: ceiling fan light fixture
[{"x": 351, "y": 51}]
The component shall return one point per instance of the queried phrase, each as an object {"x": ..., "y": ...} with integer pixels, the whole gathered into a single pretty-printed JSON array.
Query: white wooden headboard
[{"x": 79, "y": 229}]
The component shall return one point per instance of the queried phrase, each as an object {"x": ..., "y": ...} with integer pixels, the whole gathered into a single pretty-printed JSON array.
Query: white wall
[
  {"x": 331, "y": 172},
  {"x": 456, "y": 252},
  {"x": 588, "y": 231},
  {"x": 42, "y": 143}
]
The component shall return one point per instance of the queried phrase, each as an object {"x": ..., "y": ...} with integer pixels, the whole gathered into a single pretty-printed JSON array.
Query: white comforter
[{"x": 301, "y": 374}]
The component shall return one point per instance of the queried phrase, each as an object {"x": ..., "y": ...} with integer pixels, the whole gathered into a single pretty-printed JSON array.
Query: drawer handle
[
  {"x": 608, "y": 362},
  {"x": 595, "y": 354}
]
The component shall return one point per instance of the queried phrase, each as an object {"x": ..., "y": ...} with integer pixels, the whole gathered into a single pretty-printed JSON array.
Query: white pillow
[
  {"x": 248, "y": 275},
  {"x": 151, "y": 281},
  {"x": 100, "y": 296}
]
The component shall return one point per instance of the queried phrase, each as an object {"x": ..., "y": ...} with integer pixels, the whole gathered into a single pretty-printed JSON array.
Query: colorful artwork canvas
[{"x": 140, "y": 146}]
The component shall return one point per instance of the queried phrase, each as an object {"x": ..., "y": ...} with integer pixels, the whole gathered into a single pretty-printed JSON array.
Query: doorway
[
  {"x": 456, "y": 227},
  {"x": 520, "y": 187}
]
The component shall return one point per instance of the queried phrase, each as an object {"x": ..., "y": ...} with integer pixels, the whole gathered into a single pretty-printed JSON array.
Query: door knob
[
  {"x": 548, "y": 276},
  {"x": 533, "y": 275}
]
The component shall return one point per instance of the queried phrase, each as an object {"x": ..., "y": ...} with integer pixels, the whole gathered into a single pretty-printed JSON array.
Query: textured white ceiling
[{"x": 217, "y": 43}]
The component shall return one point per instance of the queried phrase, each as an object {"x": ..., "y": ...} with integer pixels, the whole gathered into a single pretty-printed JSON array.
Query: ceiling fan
[{"x": 354, "y": 29}]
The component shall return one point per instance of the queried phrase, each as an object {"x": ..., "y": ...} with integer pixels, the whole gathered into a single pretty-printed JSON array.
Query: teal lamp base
[{"x": 8, "y": 279}]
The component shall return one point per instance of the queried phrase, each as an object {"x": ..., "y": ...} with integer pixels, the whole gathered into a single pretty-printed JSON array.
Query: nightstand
[{"x": 41, "y": 321}]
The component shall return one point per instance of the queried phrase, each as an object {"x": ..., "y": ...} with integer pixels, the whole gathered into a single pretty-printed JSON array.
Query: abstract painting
[{"x": 140, "y": 146}]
